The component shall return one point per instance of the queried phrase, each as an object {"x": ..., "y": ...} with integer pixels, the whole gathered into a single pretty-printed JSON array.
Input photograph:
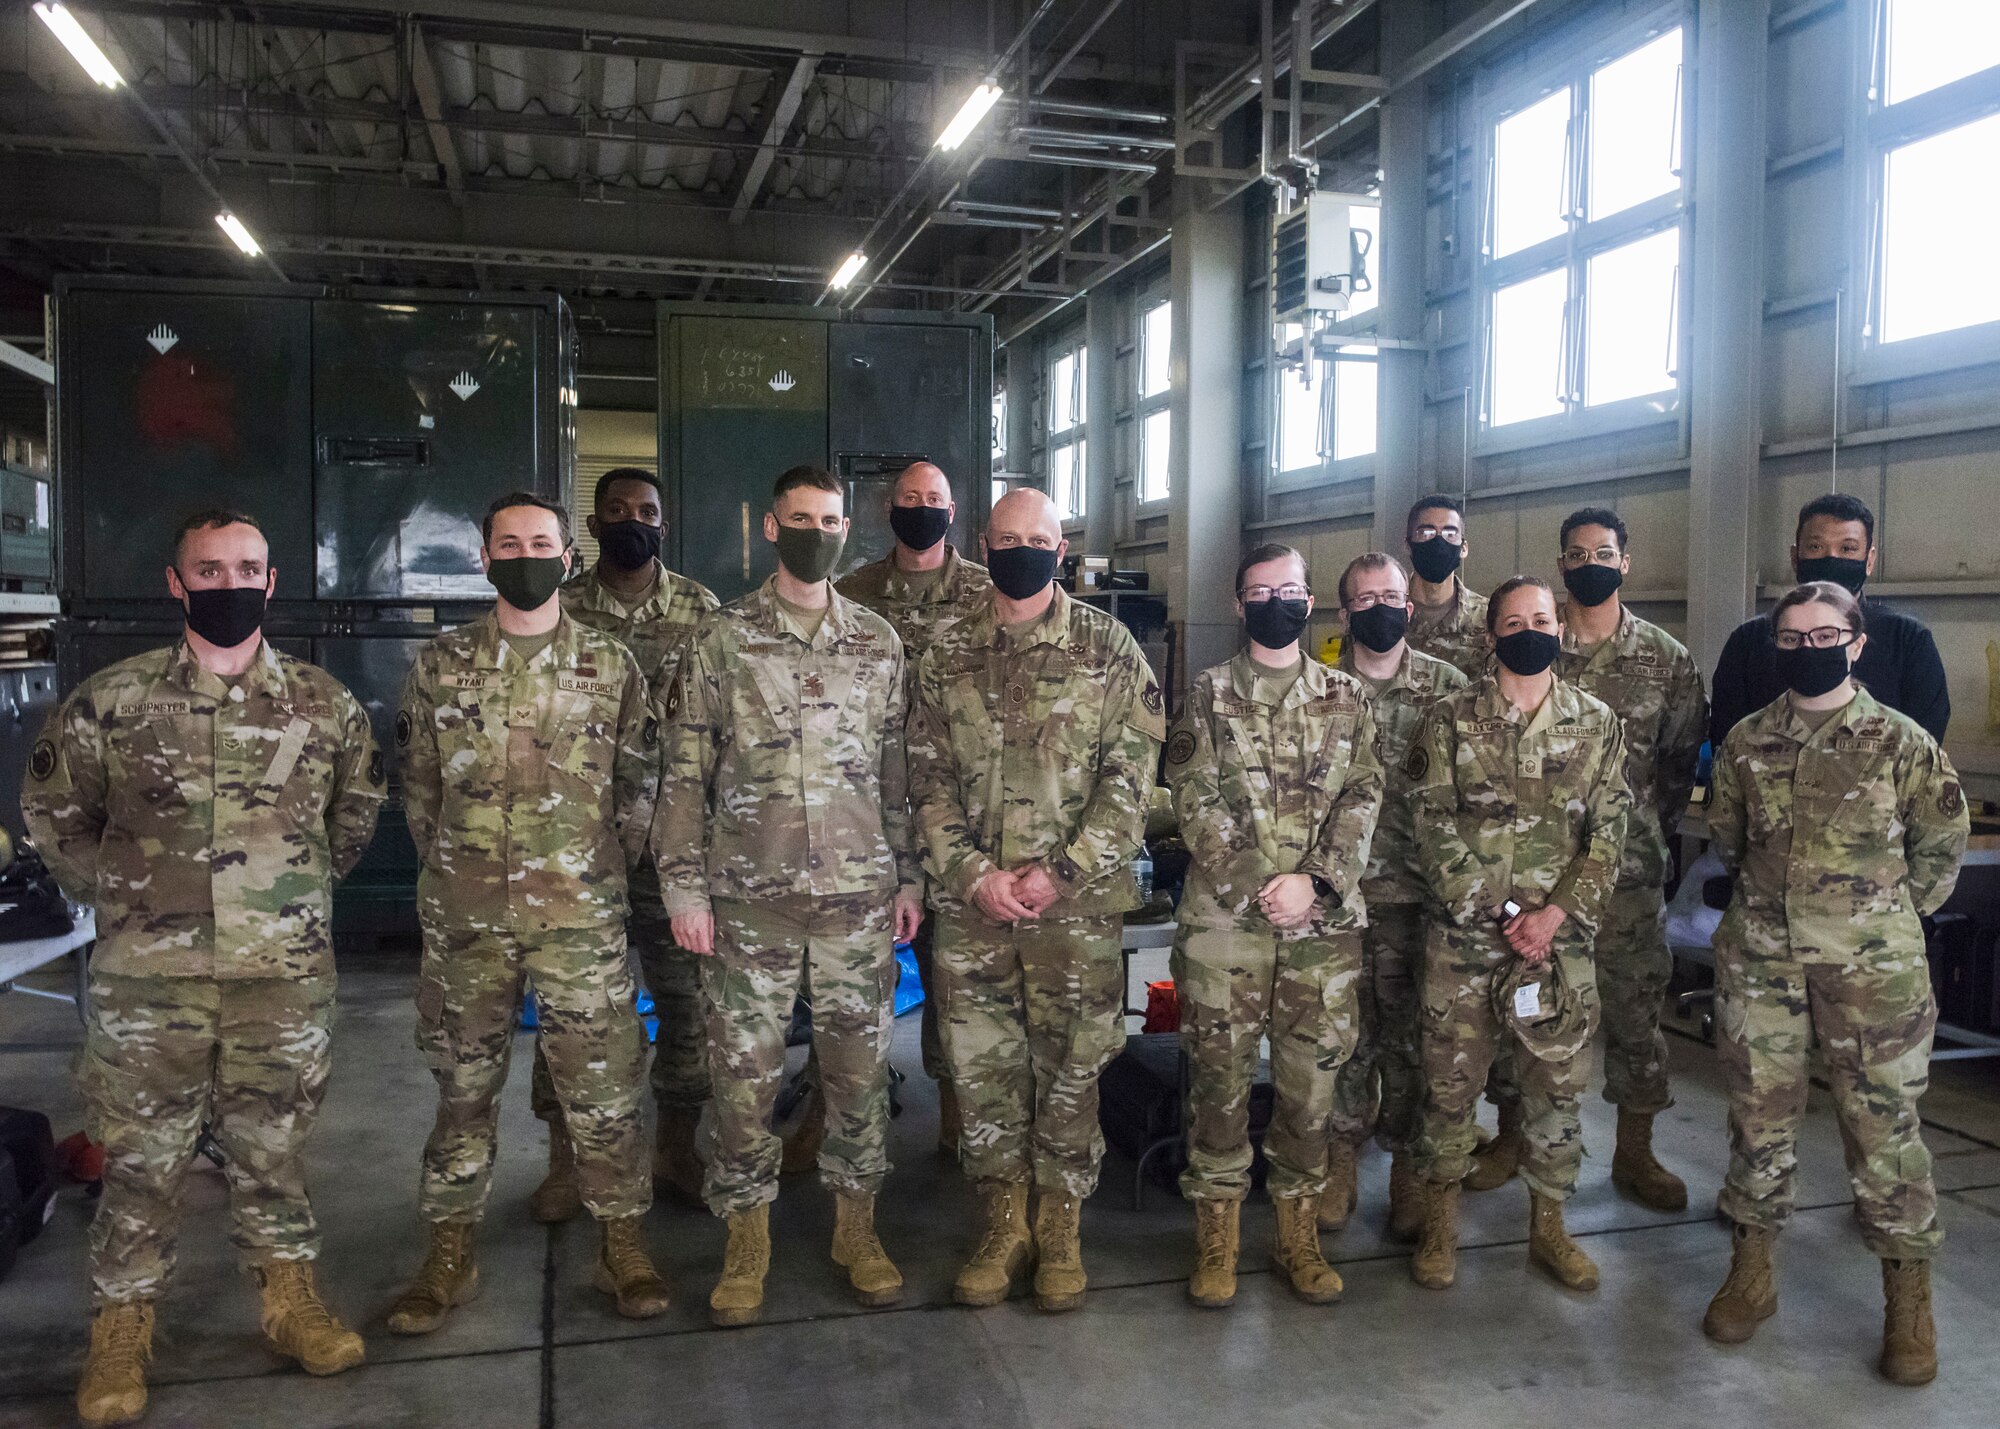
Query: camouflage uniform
[
  {"x": 207, "y": 820},
  {"x": 787, "y": 814},
  {"x": 1839, "y": 838},
  {"x": 1392, "y": 945},
  {"x": 530, "y": 789},
  {"x": 1454, "y": 632},
  {"x": 655, "y": 631},
  {"x": 1035, "y": 745},
  {"x": 920, "y": 615},
  {"x": 1262, "y": 790},
  {"x": 1531, "y": 808}
]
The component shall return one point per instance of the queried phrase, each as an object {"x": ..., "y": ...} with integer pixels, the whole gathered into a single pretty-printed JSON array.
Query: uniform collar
[
  {"x": 1245, "y": 672},
  {"x": 1052, "y": 628},
  {"x": 896, "y": 581},
  {"x": 490, "y": 650},
  {"x": 1622, "y": 639},
  {"x": 1848, "y": 719},
  {"x": 1489, "y": 703},
  {"x": 772, "y": 617},
  {"x": 265, "y": 675},
  {"x": 1397, "y": 681},
  {"x": 593, "y": 594}
]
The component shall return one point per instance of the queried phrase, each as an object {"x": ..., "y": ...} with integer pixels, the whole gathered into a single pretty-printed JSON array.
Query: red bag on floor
[{"x": 1163, "y": 1007}]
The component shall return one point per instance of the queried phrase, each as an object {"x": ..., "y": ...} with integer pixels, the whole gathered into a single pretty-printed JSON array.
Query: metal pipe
[
  {"x": 1077, "y": 160},
  {"x": 1301, "y": 62},
  {"x": 1017, "y": 210},
  {"x": 1082, "y": 109},
  {"x": 968, "y": 220},
  {"x": 1081, "y": 40},
  {"x": 1091, "y": 138},
  {"x": 1239, "y": 87}
]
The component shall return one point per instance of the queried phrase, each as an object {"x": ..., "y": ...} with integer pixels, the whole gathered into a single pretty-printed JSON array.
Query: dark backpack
[{"x": 31, "y": 904}]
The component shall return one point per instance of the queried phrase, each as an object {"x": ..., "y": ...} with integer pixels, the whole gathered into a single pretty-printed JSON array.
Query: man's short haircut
[
  {"x": 1593, "y": 516},
  {"x": 1436, "y": 500},
  {"x": 1507, "y": 588},
  {"x": 1272, "y": 551},
  {"x": 213, "y": 518},
  {"x": 1369, "y": 561},
  {"x": 817, "y": 478},
  {"x": 523, "y": 498},
  {"x": 627, "y": 473},
  {"x": 1840, "y": 508}
]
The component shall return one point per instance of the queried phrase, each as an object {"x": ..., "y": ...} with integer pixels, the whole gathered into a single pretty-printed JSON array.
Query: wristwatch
[{"x": 1324, "y": 887}]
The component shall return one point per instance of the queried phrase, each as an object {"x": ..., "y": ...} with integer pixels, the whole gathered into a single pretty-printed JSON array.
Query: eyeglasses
[
  {"x": 1826, "y": 637},
  {"x": 1426, "y": 533},
  {"x": 1603, "y": 556},
  {"x": 1394, "y": 599},
  {"x": 1255, "y": 594}
]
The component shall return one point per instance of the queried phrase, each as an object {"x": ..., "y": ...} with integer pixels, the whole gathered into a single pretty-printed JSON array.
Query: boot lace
[
  {"x": 625, "y": 1255},
  {"x": 1000, "y": 1227},
  {"x": 1905, "y": 1305},
  {"x": 1214, "y": 1248},
  {"x": 740, "y": 1259},
  {"x": 442, "y": 1266},
  {"x": 1060, "y": 1220},
  {"x": 121, "y": 1350},
  {"x": 303, "y": 1307}
]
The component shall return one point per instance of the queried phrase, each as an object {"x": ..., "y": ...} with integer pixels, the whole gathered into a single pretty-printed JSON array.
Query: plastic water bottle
[{"x": 1142, "y": 867}]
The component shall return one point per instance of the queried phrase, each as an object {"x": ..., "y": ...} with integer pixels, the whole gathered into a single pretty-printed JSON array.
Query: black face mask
[
  {"x": 920, "y": 527},
  {"x": 1839, "y": 569},
  {"x": 1593, "y": 584},
  {"x": 1275, "y": 623},
  {"x": 809, "y": 553},
  {"x": 225, "y": 618},
  {"x": 629, "y": 545},
  {"x": 1811, "y": 672},
  {"x": 1379, "y": 627},
  {"x": 526, "y": 582},
  {"x": 1435, "y": 559},
  {"x": 1021, "y": 571},
  {"x": 1527, "y": 652}
]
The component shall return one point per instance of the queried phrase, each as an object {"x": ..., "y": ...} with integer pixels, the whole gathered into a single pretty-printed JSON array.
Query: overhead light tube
[
  {"x": 238, "y": 234},
  {"x": 849, "y": 269},
  {"x": 94, "y": 61},
  {"x": 968, "y": 116}
]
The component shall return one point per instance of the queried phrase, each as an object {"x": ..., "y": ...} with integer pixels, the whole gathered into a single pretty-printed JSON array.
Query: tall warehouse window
[
  {"x": 1156, "y": 419},
  {"x": 1327, "y": 417},
  {"x": 1934, "y": 83},
  {"x": 1069, "y": 381},
  {"x": 1581, "y": 258}
]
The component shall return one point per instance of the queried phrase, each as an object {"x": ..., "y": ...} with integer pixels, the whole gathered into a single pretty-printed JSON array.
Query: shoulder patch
[
  {"x": 402, "y": 729},
  {"x": 1152, "y": 698},
  {"x": 1419, "y": 762},
  {"x": 1181, "y": 748},
  {"x": 1951, "y": 800},
  {"x": 42, "y": 763}
]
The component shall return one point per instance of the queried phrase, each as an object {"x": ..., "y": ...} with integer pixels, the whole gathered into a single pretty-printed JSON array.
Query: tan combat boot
[
  {"x": 807, "y": 1136},
  {"x": 1005, "y": 1249},
  {"x": 738, "y": 1297},
  {"x": 950, "y": 1121},
  {"x": 1059, "y": 1277},
  {"x": 676, "y": 1165},
  {"x": 449, "y": 1276},
  {"x": 559, "y": 1198},
  {"x": 1213, "y": 1284},
  {"x": 625, "y": 1271},
  {"x": 873, "y": 1275},
  {"x": 1909, "y": 1339},
  {"x": 113, "y": 1388},
  {"x": 1550, "y": 1246},
  {"x": 1336, "y": 1202},
  {"x": 1637, "y": 1173},
  {"x": 1296, "y": 1254},
  {"x": 1406, "y": 1198},
  {"x": 297, "y": 1322},
  {"x": 1495, "y": 1164},
  {"x": 1749, "y": 1295},
  {"x": 1435, "y": 1265}
]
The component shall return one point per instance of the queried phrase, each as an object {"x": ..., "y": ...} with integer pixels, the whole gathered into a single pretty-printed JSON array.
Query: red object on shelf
[{"x": 1163, "y": 1007}]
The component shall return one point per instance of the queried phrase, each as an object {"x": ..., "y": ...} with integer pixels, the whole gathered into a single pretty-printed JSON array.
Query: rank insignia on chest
[
  {"x": 1017, "y": 695},
  {"x": 813, "y": 686}
]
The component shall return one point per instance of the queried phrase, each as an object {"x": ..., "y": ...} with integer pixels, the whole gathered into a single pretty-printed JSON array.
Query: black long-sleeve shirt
[{"x": 1899, "y": 665}]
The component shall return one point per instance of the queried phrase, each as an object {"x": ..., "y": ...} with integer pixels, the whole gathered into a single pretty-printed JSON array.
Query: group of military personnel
[{"x": 1432, "y": 869}]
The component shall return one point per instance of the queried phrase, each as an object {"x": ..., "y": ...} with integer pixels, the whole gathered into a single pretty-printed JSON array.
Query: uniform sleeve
[
  {"x": 1679, "y": 750},
  {"x": 635, "y": 769},
  {"x": 1220, "y": 843},
  {"x": 690, "y": 728},
  {"x": 1340, "y": 854},
  {"x": 1587, "y": 882},
  {"x": 63, "y": 797},
  {"x": 897, "y": 826},
  {"x": 1731, "y": 688},
  {"x": 417, "y": 754},
  {"x": 1129, "y": 732},
  {"x": 951, "y": 853},
  {"x": 1444, "y": 859},
  {"x": 1728, "y": 814},
  {"x": 358, "y": 789},
  {"x": 1926, "y": 694},
  {"x": 1936, "y": 827}
]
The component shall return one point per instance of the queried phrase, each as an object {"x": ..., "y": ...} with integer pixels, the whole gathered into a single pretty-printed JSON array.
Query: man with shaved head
[
  {"x": 1034, "y": 739},
  {"x": 923, "y": 587}
]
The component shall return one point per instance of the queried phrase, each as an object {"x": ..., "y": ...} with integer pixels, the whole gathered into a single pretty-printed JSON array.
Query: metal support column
[
  {"x": 1400, "y": 477},
  {"x": 1728, "y": 320},
  {"x": 1100, "y": 525},
  {"x": 1205, "y": 515}
]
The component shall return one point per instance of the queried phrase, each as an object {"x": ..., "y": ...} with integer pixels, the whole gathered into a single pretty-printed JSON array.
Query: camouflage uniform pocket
[{"x": 111, "y": 1095}]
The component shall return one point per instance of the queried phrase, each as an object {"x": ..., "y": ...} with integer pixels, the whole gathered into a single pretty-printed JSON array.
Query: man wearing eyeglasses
[
  {"x": 1447, "y": 621},
  {"x": 1401, "y": 683}
]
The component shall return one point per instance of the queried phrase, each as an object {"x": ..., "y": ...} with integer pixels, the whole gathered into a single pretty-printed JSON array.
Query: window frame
[
  {"x": 1583, "y": 239},
  {"x": 1077, "y": 435},
  {"x": 1144, "y": 406},
  {"x": 1329, "y": 352},
  {"x": 1876, "y": 130}
]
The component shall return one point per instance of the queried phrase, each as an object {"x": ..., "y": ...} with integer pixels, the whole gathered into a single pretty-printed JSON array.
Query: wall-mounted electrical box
[{"x": 1322, "y": 255}]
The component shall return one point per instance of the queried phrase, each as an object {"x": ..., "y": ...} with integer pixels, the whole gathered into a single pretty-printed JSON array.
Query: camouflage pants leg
[
  {"x": 468, "y": 998},
  {"x": 845, "y": 946},
  {"x": 1461, "y": 1037},
  {"x": 1381, "y": 1087},
  {"x": 1633, "y": 969},
  {"x": 1235, "y": 986},
  {"x": 1874, "y": 1020},
  {"x": 1033, "y": 1014},
  {"x": 161, "y": 1055}
]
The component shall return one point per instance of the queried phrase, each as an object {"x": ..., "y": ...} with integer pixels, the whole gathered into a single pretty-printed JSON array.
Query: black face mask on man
[
  {"x": 920, "y": 527},
  {"x": 227, "y": 617},
  {"x": 1593, "y": 584},
  {"x": 1527, "y": 652},
  {"x": 629, "y": 545},
  {"x": 1841, "y": 570},
  {"x": 1275, "y": 623},
  {"x": 1436, "y": 559},
  {"x": 1021, "y": 571},
  {"x": 1379, "y": 627}
]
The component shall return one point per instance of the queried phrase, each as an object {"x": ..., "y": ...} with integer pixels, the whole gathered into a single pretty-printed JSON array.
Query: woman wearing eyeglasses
[
  {"x": 1276, "y": 783},
  {"x": 1842, "y": 822}
]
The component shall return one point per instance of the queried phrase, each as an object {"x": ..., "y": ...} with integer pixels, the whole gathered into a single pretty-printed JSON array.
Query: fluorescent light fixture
[
  {"x": 58, "y": 18},
  {"x": 238, "y": 234},
  {"x": 849, "y": 269},
  {"x": 968, "y": 116}
]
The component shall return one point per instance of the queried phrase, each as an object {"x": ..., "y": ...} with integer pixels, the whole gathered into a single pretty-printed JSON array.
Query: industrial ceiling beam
[
  {"x": 783, "y": 112},
  {"x": 26, "y": 363},
  {"x": 430, "y": 102}
]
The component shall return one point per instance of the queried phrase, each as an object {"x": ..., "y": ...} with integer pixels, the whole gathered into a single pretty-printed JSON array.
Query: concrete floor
[{"x": 1502, "y": 1348}]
